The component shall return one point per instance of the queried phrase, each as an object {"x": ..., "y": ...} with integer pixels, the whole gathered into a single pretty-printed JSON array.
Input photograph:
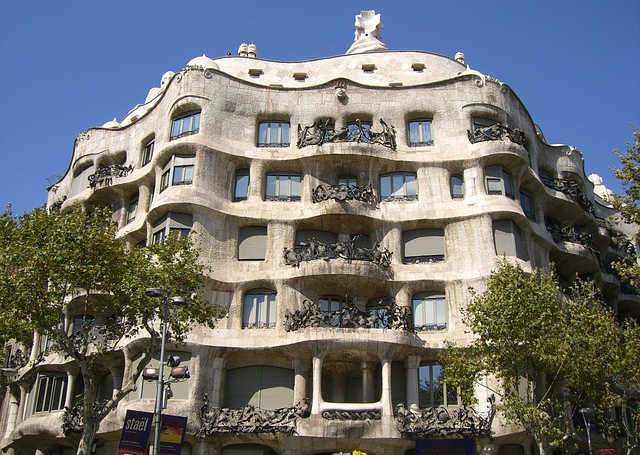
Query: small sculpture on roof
[{"x": 367, "y": 35}]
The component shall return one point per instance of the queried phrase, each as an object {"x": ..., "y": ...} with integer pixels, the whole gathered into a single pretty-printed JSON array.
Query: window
[
  {"x": 499, "y": 181},
  {"x": 359, "y": 131},
  {"x": 508, "y": 239},
  {"x": 347, "y": 180},
  {"x": 185, "y": 125},
  {"x": 429, "y": 311},
  {"x": 273, "y": 134},
  {"x": 81, "y": 180},
  {"x": 132, "y": 208},
  {"x": 432, "y": 390},
  {"x": 480, "y": 122},
  {"x": 330, "y": 307},
  {"x": 51, "y": 393},
  {"x": 147, "y": 152},
  {"x": 262, "y": 386},
  {"x": 260, "y": 308},
  {"x": 420, "y": 133},
  {"x": 172, "y": 222},
  {"x": 252, "y": 243},
  {"x": 423, "y": 245},
  {"x": 398, "y": 186},
  {"x": 147, "y": 390},
  {"x": 526, "y": 202},
  {"x": 178, "y": 171},
  {"x": 456, "y": 186},
  {"x": 241, "y": 191},
  {"x": 282, "y": 186}
]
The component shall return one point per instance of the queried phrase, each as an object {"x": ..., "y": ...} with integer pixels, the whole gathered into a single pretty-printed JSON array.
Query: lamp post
[
  {"x": 587, "y": 412},
  {"x": 157, "y": 415}
]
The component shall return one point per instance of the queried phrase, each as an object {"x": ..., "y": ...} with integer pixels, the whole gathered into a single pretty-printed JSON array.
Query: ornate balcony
[
  {"x": 496, "y": 132},
  {"x": 568, "y": 187},
  {"x": 314, "y": 249},
  {"x": 250, "y": 419},
  {"x": 105, "y": 174},
  {"x": 342, "y": 193},
  {"x": 385, "y": 315},
  {"x": 322, "y": 132}
]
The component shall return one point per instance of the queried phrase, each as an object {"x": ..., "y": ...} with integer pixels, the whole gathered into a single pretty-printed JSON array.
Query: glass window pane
[
  {"x": 411, "y": 186},
  {"x": 271, "y": 185},
  {"x": 263, "y": 130},
  {"x": 426, "y": 132},
  {"x": 196, "y": 122},
  {"x": 385, "y": 186},
  {"x": 494, "y": 186},
  {"x": 295, "y": 185},
  {"x": 273, "y": 136},
  {"x": 175, "y": 128},
  {"x": 508, "y": 185},
  {"x": 414, "y": 132},
  {"x": 429, "y": 312},
  {"x": 284, "y": 133},
  {"x": 188, "y": 174},
  {"x": 398, "y": 185},
  {"x": 440, "y": 311},
  {"x": 242, "y": 186},
  {"x": 283, "y": 186},
  {"x": 418, "y": 313}
]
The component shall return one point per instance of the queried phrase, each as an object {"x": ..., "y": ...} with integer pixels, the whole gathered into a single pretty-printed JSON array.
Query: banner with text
[{"x": 135, "y": 433}]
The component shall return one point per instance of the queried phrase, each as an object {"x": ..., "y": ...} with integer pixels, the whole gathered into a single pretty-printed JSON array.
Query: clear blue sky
[{"x": 66, "y": 66}]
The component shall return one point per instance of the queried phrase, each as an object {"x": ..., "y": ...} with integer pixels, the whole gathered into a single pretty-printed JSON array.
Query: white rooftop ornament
[{"x": 368, "y": 28}]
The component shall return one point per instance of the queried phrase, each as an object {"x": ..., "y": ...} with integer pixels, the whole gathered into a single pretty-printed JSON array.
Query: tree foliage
[
  {"x": 627, "y": 203},
  {"x": 62, "y": 268},
  {"x": 550, "y": 354}
]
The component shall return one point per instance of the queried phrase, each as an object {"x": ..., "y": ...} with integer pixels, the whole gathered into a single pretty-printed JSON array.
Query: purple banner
[
  {"x": 445, "y": 447},
  {"x": 172, "y": 434},
  {"x": 135, "y": 433}
]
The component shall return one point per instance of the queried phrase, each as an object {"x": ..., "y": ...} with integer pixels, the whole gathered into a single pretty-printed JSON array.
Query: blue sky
[{"x": 66, "y": 66}]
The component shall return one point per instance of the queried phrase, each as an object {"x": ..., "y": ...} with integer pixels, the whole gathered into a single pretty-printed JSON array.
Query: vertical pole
[{"x": 160, "y": 387}]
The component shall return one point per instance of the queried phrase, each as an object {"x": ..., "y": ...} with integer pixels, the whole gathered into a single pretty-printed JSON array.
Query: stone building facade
[{"x": 345, "y": 206}]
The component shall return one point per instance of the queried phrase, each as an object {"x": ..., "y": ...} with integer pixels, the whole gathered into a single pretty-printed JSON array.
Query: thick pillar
[
  {"x": 300, "y": 382},
  {"x": 317, "y": 385},
  {"x": 68, "y": 399},
  {"x": 14, "y": 404},
  {"x": 216, "y": 397},
  {"x": 412, "y": 364},
  {"x": 22, "y": 403},
  {"x": 367, "y": 382},
  {"x": 386, "y": 401}
]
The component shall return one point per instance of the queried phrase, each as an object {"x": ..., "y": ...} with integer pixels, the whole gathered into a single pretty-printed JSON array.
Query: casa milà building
[{"x": 345, "y": 206}]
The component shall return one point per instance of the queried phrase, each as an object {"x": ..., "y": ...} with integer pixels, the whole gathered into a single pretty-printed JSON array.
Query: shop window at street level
[
  {"x": 420, "y": 133},
  {"x": 429, "y": 311},
  {"x": 185, "y": 125},
  {"x": 283, "y": 186},
  {"x": 273, "y": 134},
  {"x": 398, "y": 186},
  {"x": 259, "y": 309}
]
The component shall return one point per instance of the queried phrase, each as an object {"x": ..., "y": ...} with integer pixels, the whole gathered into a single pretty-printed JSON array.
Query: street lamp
[
  {"x": 587, "y": 412},
  {"x": 157, "y": 415}
]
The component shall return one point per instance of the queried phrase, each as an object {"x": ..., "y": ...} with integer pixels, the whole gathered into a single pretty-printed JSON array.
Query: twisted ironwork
[
  {"x": 352, "y": 415},
  {"x": 569, "y": 187},
  {"x": 314, "y": 249},
  {"x": 323, "y": 132},
  {"x": 343, "y": 193},
  {"x": 385, "y": 315},
  {"x": 496, "y": 132},
  {"x": 105, "y": 174},
  {"x": 442, "y": 421},
  {"x": 251, "y": 419}
]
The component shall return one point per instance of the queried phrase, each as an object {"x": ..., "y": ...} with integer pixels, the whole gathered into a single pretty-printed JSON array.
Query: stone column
[
  {"x": 68, "y": 399},
  {"x": 300, "y": 383},
  {"x": 14, "y": 404},
  {"x": 317, "y": 384},
  {"x": 387, "y": 402},
  {"x": 367, "y": 381},
  {"x": 22, "y": 404},
  {"x": 412, "y": 364},
  {"x": 256, "y": 181},
  {"x": 215, "y": 400}
]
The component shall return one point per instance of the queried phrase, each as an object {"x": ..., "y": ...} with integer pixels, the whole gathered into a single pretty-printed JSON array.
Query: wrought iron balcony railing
[{"x": 314, "y": 249}]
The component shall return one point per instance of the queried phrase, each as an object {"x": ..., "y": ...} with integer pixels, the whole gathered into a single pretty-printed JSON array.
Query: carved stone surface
[
  {"x": 105, "y": 174},
  {"x": 322, "y": 132},
  {"x": 442, "y": 421},
  {"x": 343, "y": 193},
  {"x": 569, "y": 187},
  {"x": 386, "y": 315},
  {"x": 314, "y": 249},
  {"x": 352, "y": 415},
  {"x": 251, "y": 419},
  {"x": 496, "y": 132}
]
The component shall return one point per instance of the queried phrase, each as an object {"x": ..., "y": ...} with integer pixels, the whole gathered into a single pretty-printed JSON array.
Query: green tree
[
  {"x": 627, "y": 204},
  {"x": 549, "y": 354},
  {"x": 62, "y": 268}
]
